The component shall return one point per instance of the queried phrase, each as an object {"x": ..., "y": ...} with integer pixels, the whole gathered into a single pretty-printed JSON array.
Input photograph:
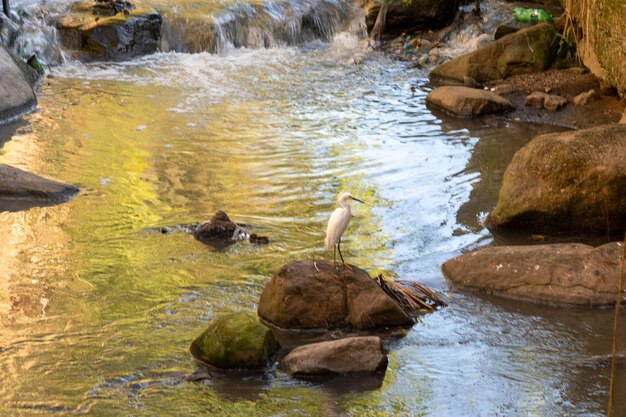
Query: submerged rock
[
  {"x": 21, "y": 190},
  {"x": 528, "y": 50},
  {"x": 414, "y": 14},
  {"x": 468, "y": 102},
  {"x": 324, "y": 295},
  {"x": 221, "y": 229},
  {"x": 344, "y": 356},
  {"x": 235, "y": 341},
  {"x": 554, "y": 274},
  {"x": 16, "y": 93},
  {"x": 113, "y": 37},
  {"x": 571, "y": 181},
  {"x": 539, "y": 100},
  {"x": 585, "y": 98}
]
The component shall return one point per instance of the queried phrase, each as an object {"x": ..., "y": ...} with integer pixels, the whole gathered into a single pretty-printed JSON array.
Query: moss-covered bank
[{"x": 603, "y": 25}]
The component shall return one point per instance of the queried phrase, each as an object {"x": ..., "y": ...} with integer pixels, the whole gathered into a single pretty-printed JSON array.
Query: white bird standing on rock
[{"x": 338, "y": 223}]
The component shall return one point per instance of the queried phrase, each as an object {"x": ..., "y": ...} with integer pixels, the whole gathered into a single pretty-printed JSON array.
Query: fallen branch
[{"x": 411, "y": 296}]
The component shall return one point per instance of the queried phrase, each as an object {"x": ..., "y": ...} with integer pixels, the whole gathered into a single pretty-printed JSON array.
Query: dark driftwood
[{"x": 411, "y": 296}]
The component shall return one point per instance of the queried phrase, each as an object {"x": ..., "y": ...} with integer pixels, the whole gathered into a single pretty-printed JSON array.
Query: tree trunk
[{"x": 379, "y": 25}]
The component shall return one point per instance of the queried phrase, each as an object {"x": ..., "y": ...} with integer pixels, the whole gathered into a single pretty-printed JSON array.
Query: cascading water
[
  {"x": 208, "y": 26},
  {"x": 31, "y": 31},
  {"x": 203, "y": 27},
  {"x": 264, "y": 25}
]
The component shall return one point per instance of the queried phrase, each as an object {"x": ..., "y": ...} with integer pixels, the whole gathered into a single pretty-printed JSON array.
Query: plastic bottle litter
[{"x": 522, "y": 14}]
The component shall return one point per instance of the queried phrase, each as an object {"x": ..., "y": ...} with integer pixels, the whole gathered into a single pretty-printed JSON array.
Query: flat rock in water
[
  {"x": 554, "y": 102},
  {"x": 20, "y": 190},
  {"x": 585, "y": 98},
  {"x": 570, "y": 274},
  {"x": 567, "y": 182},
  {"x": 16, "y": 94},
  {"x": 325, "y": 295},
  {"x": 550, "y": 102},
  {"x": 528, "y": 50},
  {"x": 344, "y": 356},
  {"x": 468, "y": 102}
]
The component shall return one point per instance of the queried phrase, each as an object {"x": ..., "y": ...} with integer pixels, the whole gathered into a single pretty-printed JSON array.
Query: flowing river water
[{"x": 98, "y": 308}]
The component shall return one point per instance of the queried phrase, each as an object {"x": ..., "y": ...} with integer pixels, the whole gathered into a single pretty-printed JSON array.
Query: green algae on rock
[
  {"x": 120, "y": 36},
  {"x": 566, "y": 182},
  {"x": 235, "y": 341},
  {"x": 528, "y": 50}
]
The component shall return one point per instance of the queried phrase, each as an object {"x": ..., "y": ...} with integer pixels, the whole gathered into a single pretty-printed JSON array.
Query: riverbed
[{"x": 98, "y": 307}]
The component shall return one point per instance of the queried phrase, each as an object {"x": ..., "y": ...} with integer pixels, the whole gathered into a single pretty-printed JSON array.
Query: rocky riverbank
[{"x": 559, "y": 184}]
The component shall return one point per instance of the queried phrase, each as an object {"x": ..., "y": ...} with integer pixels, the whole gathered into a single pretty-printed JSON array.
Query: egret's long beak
[{"x": 356, "y": 199}]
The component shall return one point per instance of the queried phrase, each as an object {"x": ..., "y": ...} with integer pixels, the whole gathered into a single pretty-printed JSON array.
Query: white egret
[{"x": 338, "y": 223}]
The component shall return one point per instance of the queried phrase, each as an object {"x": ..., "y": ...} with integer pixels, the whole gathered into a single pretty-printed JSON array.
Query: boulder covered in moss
[
  {"x": 526, "y": 51},
  {"x": 235, "y": 341},
  {"x": 325, "y": 295},
  {"x": 95, "y": 36},
  {"x": 567, "y": 182}
]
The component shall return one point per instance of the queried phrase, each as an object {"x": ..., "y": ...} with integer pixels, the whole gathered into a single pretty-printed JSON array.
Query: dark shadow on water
[
  {"x": 345, "y": 384},
  {"x": 498, "y": 141},
  {"x": 25, "y": 204},
  {"x": 292, "y": 338},
  {"x": 8, "y": 130},
  {"x": 240, "y": 385},
  {"x": 233, "y": 385},
  {"x": 505, "y": 237}
]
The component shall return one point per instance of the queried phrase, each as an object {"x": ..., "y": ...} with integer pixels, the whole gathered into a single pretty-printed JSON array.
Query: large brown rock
[
  {"x": 343, "y": 356},
  {"x": 574, "y": 274},
  {"x": 20, "y": 189},
  {"x": 571, "y": 181},
  {"x": 468, "y": 102},
  {"x": 414, "y": 14},
  {"x": 528, "y": 50},
  {"x": 322, "y": 295},
  {"x": 16, "y": 94},
  {"x": 121, "y": 36}
]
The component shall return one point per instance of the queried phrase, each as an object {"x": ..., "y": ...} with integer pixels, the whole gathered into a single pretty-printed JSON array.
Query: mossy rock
[
  {"x": 567, "y": 182},
  {"x": 117, "y": 37},
  {"x": 526, "y": 51},
  {"x": 235, "y": 341}
]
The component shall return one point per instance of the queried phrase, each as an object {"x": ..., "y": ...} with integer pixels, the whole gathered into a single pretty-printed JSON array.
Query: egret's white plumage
[{"x": 338, "y": 222}]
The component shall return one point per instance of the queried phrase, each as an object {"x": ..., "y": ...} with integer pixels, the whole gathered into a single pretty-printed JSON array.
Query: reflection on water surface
[{"x": 97, "y": 313}]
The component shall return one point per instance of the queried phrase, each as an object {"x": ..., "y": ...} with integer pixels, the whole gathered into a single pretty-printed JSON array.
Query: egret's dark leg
[
  {"x": 334, "y": 254},
  {"x": 339, "y": 249}
]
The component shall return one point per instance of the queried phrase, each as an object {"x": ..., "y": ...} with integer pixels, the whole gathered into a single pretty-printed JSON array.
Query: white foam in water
[{"x": 32, "y": 30}]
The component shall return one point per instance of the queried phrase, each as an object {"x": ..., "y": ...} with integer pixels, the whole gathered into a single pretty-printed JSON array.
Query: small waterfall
[
  {"x": 265, "y": 25},
  {"x": 31, "y": 29}
]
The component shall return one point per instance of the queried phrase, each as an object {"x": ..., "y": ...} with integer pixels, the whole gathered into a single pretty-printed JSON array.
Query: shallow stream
[{"x": 97, "y": 310}]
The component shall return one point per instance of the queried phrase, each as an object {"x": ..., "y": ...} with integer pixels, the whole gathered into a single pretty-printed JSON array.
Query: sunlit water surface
[{"x": 97, "y": 310}]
